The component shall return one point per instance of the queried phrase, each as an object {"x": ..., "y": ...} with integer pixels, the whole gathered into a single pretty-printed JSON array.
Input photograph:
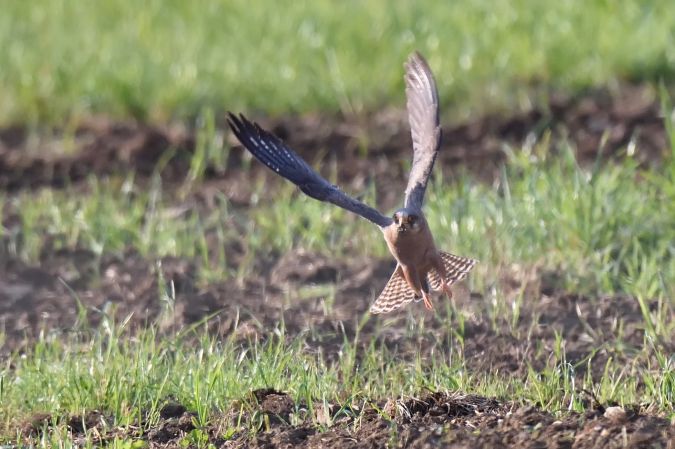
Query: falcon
[{"x": 421, "y": 267}]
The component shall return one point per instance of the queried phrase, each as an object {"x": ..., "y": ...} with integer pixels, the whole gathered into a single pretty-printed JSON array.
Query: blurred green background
[{"x": 158, "y": 60}]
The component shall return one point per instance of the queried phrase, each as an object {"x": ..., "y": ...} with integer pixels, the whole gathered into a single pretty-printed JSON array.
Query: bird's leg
[
  {"x": 418, "y": 284},
  {"x": 426, "y": 292},
  {"x": 427, "y": 300}
]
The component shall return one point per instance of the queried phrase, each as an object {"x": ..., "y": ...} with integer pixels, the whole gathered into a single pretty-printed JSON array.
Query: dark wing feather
[
  {"x": 272, "y": 152},
  {"x": 422, "y": 104}
]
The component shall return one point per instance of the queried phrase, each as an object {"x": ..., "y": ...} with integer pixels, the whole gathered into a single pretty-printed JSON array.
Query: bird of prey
[{"x": 421, "y": 266}]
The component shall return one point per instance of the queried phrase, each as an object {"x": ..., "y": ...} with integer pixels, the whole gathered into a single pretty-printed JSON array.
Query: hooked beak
[{"x": 402, "y": 223}]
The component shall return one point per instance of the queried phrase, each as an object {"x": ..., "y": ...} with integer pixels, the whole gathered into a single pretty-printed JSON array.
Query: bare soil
[
  {"x": 47, "y": 296},
  {"x": 35, "y": 297},
  {"x": 375, "y": 146},
  {"x": 441, "y": 419}
]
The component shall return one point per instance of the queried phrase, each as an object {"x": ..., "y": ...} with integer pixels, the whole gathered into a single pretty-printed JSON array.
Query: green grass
[
  {"x": 130, "y": 379},
  {"x": 608, "y": 229},
  {"x": 62, "y": 60},
  {"x": 602, "y": 230}
]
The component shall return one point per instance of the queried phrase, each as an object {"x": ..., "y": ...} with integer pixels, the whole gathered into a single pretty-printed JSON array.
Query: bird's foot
[{"x": 427, "y": 301}]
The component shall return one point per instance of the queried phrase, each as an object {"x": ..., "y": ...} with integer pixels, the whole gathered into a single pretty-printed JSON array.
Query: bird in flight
[{"x": 421, "y": 266}]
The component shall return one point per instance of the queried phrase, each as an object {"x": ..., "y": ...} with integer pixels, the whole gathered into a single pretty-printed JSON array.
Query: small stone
[
  {"x": 557, "y": 423},
  {"x": 616, "y": 414}
]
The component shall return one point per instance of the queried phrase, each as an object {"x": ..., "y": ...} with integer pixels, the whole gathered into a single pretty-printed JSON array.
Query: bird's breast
[{"x": 409, "y": 248}]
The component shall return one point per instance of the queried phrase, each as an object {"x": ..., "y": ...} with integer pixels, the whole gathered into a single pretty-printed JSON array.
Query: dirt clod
[
  {"x": 616, "y": 414},
  {"x": 80, "y": 423},
  {"x": 276, "y": 405},
  {"x": 172, "y": 410}
]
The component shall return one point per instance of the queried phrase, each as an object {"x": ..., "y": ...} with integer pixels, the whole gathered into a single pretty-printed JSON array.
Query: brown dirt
[
  {"x": 442, "y": 419},
  {"x": 47, "y": 297},
  {"x": 377, "y": 146}
]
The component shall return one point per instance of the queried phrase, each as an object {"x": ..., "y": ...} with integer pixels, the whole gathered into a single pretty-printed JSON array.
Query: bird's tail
[{"x": 456, "y": 269}]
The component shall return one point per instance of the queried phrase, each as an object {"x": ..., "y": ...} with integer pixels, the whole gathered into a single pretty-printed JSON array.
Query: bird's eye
[
  {"x": 395, "y": 219},
  {"x": 412, "y": 219}
]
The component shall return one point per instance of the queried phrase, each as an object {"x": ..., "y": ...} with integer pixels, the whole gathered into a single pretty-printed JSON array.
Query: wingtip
[
  {"x": 417, "y": 68},
  {"x": 233, "y": 122},
  {"x": 415, "y": 55},
  {"x": 419, "y": 76},
  {"x": 239, "y": 124},
  {"x": 415, "y": 60}
]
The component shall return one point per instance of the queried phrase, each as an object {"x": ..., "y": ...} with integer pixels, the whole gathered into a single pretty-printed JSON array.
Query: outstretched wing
[
  {"x": 422, "y": 104},
  {"x": 456, "y": 269},
  {"x": 272, "y": 152},
  {"x": 396, "y": 294}
]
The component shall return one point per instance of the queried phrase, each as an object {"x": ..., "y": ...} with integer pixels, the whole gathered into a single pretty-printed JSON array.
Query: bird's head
[{"x": 406, "y": 220}]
